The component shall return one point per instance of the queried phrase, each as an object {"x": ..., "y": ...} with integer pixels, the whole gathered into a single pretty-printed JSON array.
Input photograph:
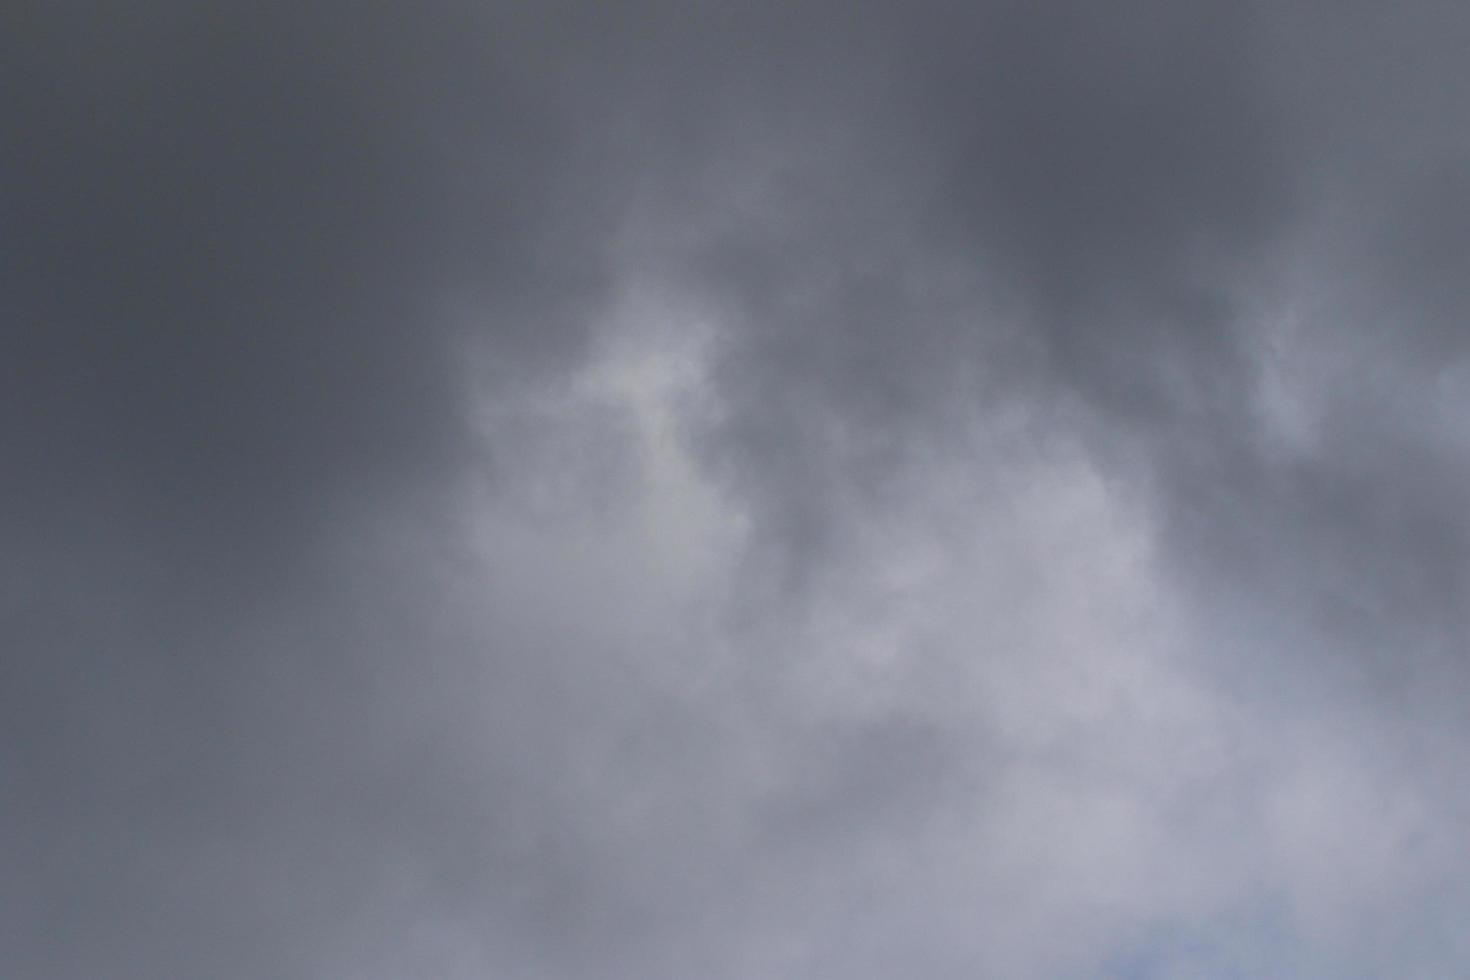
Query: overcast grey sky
[{"x": 734, "y": 491}]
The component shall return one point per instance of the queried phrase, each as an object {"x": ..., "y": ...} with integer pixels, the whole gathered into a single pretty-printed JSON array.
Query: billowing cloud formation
[{"x": 546, "y": 490}]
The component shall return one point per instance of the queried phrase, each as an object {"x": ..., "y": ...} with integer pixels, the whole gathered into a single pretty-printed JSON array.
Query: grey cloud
[
  {"x": 1010, "y": 529},
  {"x": 232, "y": 241}
]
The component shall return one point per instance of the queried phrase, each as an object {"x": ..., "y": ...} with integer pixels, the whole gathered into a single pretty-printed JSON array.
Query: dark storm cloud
[
  {"x": 1329, "y": 494},
  {"x": 387, "y": 593},
  {"x": 228, "y": 234},
  {"x": 231, "y": 242},
  {"x": 1063, "y": 205},
  {"x": 1107, "y": 213}
]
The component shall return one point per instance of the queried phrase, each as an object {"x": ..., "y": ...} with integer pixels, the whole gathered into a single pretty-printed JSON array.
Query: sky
[{"x": 533, "y": 489}]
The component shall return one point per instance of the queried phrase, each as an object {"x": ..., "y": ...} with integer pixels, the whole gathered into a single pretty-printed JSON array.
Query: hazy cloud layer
[{"x": 669, "y": 490}]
